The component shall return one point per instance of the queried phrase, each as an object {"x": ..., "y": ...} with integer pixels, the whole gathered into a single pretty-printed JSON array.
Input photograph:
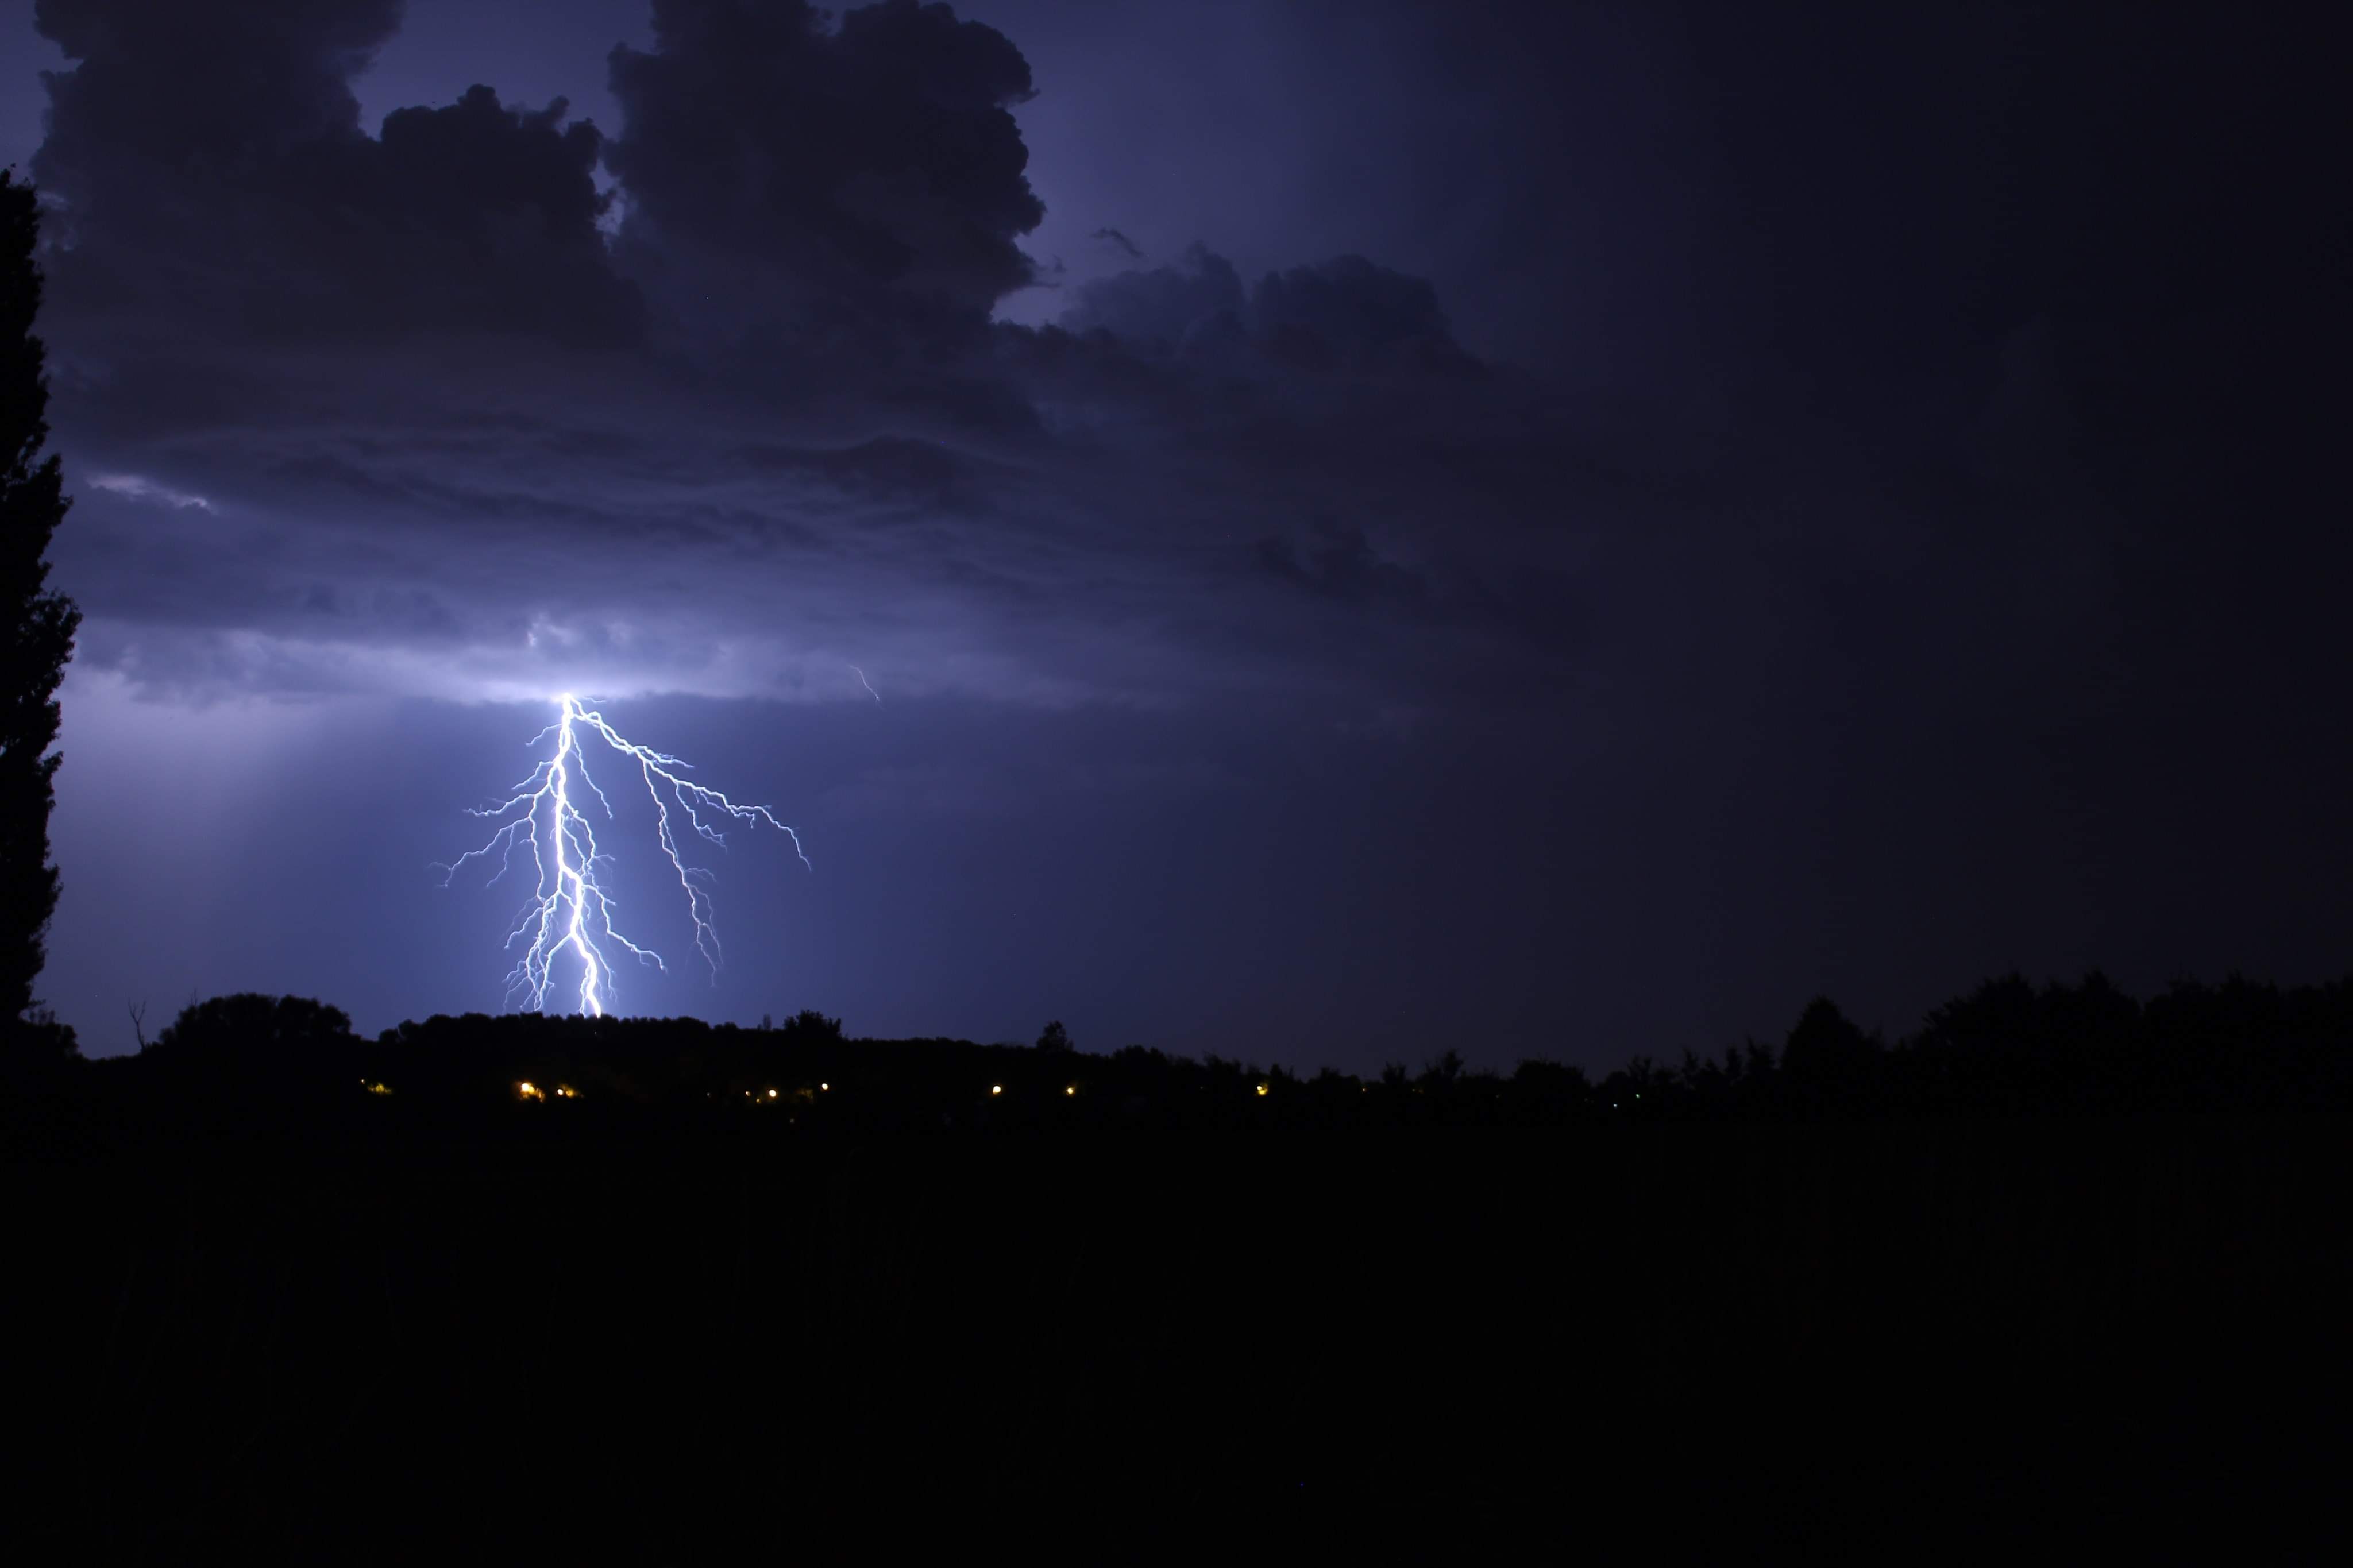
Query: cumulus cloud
[
  {"x": 1347, "y": 313},
  {"x": 218, "y": 87},
  {"x": 1119, "y": 242},
  {"x": 812, "y": 170},
  {"x": 1350, "y": 309},
  {"x": 210, "y": 172},
  {"x": 1164, "y": 305}
]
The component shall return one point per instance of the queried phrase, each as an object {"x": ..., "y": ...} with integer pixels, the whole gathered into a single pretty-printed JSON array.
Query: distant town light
[
  {"x": 825, "y": 1086},
  {"x": 529, "y": 1090},
  {"x": 1070, "y": 1088},
  {"x": 996, "y": 1088},
  {"x": 772, "y": 1094},
  {"x": 1262, "y": 1088}
]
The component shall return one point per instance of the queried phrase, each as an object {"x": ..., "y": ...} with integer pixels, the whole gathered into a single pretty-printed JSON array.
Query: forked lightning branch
[{"x": 569, "y": 919}]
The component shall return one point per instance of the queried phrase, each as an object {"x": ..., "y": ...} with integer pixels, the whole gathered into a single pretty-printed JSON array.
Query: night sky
[{"x": 1375, "y": 527}]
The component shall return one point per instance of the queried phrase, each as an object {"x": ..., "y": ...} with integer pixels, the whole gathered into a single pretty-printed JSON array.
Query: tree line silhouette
[
  {"x": 37, "y": 634},
  {"x": 2007, "y": 1048}
]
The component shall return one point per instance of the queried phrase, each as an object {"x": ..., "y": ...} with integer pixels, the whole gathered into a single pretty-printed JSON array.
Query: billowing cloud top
[
  {"x": 213, "y": 176},
  {"x": 869, "y": 166}
]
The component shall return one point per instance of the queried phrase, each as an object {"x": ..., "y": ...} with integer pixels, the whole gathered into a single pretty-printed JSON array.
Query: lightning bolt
[
  {"x": 866, "y": 683},
  {"x": 570, "y": 914}
]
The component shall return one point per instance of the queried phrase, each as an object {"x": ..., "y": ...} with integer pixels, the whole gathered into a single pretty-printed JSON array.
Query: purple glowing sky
[{"x": 1520, "y": 532}]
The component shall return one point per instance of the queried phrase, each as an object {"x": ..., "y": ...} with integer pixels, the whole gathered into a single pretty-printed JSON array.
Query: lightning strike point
[{"x": 570, "y": 914}]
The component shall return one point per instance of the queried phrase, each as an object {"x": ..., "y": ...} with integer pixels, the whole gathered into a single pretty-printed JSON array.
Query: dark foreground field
[{"x": 529, "y": 1339}]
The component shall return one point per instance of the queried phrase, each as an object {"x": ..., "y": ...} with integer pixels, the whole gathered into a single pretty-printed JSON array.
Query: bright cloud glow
[{"x": 135, "y": 487}]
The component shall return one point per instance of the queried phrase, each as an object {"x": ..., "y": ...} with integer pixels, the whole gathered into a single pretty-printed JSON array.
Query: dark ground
[{"x": 527, "y": 1339}]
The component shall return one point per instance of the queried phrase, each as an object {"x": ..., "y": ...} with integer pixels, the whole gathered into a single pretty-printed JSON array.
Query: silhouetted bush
[{"x": 252, "y": 1052}]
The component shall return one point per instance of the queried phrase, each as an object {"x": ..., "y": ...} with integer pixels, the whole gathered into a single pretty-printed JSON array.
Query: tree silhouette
[
  {"x": 808, "y": 1026},
  {"x": 269, "y": 1054},
  {"x": 2006, "y": 1048},
  {"x": 252, "y": 1025},
  {"x": 37, "y": 636},
  {"x": 1826, "y": 1054}
]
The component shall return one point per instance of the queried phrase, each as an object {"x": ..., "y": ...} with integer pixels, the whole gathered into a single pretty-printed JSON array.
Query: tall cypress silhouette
[{"x": 36, "y": 627}]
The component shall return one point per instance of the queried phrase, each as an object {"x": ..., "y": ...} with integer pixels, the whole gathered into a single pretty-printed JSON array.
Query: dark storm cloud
[
  {"x": 873, "y": 167},
  {"x": 182, "y": 84},
  {"x": 808, "y": 443},
  {"x": 1199, "y": 480},
  {"x": 885, "y": 467},
  {"x": 1119, "y": 242},
  {"x": 211, "y": 171},
  {"x": 1337, "y": 563},
  {"x": 1346, "y": 311},
  {"x": 1342, "y": 565},
  {"x": 1163, "y": 306},
  {"x": 1353, "y": 310}
]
